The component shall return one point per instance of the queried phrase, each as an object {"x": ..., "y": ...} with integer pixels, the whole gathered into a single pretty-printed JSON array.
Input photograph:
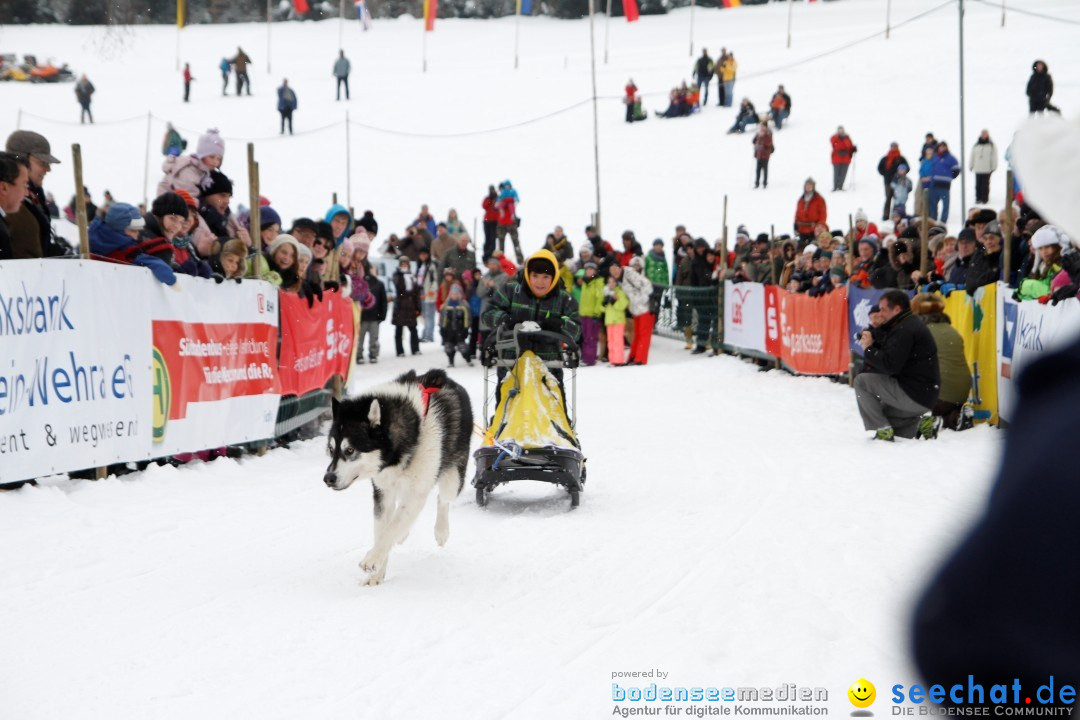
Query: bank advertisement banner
[
  {"x": 316, "y": 342},
  {"x": 75, "y": 387},
  {"x": 1026, "y": 331},
  {"x": 744, "y": 315},
  {"x": 215, "y": 375}
]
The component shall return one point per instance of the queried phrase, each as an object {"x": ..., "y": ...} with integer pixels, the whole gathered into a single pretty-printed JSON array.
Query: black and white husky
[{"x": 406, "y": 435}]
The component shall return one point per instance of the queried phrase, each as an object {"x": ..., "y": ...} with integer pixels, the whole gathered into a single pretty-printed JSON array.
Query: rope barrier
[
  {"x": 268, "y": 138},
  {"x": 467, "y": 133},
  {"x": 1044, "y": 16},
  {"x": 72, "y": 122}
]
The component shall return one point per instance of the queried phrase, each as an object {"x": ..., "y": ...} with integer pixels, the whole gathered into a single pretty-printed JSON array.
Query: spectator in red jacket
[
  {"x": 491, "y": 221},
  {"x": 631, "y": 249},
  {"x": 842, "y": 152},
  {"x": 809, "y": 211}
]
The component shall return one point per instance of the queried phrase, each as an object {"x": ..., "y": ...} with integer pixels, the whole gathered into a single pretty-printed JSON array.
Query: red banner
[
  {"x": 316, "y": 342},
  {"x": 212, "y": 362},
  {"x": 630, "y": 10},
  {"x": 809, "y": 334}
]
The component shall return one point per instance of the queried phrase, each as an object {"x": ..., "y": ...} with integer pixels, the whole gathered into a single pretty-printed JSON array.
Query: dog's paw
[
  {"x": 373, "y": 563},
  {"x": 375, "y": 578},
  {"x": 442, "y": 534}
]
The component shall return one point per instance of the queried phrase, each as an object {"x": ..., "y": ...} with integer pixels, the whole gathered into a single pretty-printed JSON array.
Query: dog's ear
[
  {"x": 374, "y": 414},
  {"x": 335, "y": 405}
]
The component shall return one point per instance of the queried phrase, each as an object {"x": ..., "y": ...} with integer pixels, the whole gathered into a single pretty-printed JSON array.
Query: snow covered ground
[{"x": 737, "y": 528}]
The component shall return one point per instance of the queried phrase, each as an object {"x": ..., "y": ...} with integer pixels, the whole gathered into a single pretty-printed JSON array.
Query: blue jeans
[
  {"x": 429, "y": 322},
  {"x": 729, "y": 93},
  {"x": 703, "y": 81},
  {"x": 778, "y": 117},
  {"x": 939, "y": 195}
]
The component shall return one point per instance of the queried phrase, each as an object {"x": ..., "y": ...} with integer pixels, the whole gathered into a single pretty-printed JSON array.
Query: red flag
[
  {"x": 301, "y": 7},
  {"x": 630, "y": 10},
  {"x": 430, "y": 8}
]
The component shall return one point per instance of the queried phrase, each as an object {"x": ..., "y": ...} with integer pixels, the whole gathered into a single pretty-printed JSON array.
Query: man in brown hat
[{"x": 31, "y": 227}]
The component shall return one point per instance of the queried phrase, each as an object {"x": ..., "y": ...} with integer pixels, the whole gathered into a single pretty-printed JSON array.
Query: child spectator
[
  {"x": 454, "y": 321},
  {"x": 591, "y": 310},
  {"x": 370, "y": 320},
  {"x": 901, "y": 188},
  {"x": 406, "y": 306},
  {"x": 614, "y": 305},
  {"x": 231, "y": 262},
  {"x": 116, "y": 239},
  {"x": 192, "y": 172}
]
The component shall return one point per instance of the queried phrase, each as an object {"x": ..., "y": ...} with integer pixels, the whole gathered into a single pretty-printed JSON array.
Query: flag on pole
[
  {"x": 301, "y": 6},
  {"x": 630, "y": 10},
  {"x": 524, "y": 7},
  {"x": 181, "y": 13},
  {"x": 430, "y": 8},
  {"x": 362, "y": 14},
  {"x": 732, "y": 3}
]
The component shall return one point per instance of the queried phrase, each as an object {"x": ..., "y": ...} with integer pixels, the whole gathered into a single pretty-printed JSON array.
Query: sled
[{"x": 531, "y": 435}]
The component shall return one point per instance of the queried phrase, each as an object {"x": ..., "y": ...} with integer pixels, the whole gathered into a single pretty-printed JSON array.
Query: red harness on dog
[{"x": 426, "y": 393}]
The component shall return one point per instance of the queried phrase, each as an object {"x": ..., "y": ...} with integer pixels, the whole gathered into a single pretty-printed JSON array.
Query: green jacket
[
  {"x": 615, "y": 310},
  {"x": 592, "y": 298},
  {"x": 955, "y": 374},
  {"x": 656, "y": 269}
]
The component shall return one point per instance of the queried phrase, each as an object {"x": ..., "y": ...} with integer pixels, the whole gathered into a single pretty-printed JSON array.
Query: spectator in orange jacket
[
  {"x": 842, "y": 152},
  {"x": 809, "y": 211}
]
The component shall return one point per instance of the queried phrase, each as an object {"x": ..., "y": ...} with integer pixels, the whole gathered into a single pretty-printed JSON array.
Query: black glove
[
  {"x": 1064, "y": 293},
  {"x": 237, "y": 280},
  {"x": 1070, "y": 263},
  {"x": 331, "y": 286},
  {"x": 311, "y": 291},
  {"x": 218, "y": 278}
]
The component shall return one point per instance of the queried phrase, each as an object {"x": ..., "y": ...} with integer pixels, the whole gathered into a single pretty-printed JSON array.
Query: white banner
[
  {"x": 1026, "y": 331},
  {"x": 75, "y": 388},
  {"x": 215, "y": 364},
  {"x": 744, "y": 315}
]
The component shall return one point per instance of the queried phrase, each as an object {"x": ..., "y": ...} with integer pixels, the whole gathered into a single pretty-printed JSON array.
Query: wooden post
[
  {"x": 1007, "y": 231},
  {"x": 924, "y": 232},
  {"x": 725, "y": 232},
  {"x": 80, "y": 202},
  {"x": 348, "y": 162},
  {"x": 851, "y": 246},
  {"x": 333, "y": 198},
  {"x": 254, "y": 224},
  {"x": 84, "y": 236},
  {"x": 772, "y": 249}
]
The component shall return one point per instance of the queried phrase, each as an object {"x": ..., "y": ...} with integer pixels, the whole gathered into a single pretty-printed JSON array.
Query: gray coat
[
  {"x": 485, "y": 293},
  {"x": 342, "y": 67}
]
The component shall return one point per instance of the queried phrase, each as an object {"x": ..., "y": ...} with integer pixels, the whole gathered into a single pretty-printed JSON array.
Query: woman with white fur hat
[{"x": 1046, "y": 246}]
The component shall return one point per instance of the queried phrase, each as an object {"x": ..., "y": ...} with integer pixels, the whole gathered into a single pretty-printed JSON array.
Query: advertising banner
[
  {"x": 75, "y": 388},
  {"x": 860, "y": 300},
  {"x": 975, "y": 319},
  {"x": 812, "y": 332},
  {"x": 744, "y": 315},
  {"x": 1026, "y": 331},
  {"x": 316, "y": 342},
  {"x": 215, "y": 379}
]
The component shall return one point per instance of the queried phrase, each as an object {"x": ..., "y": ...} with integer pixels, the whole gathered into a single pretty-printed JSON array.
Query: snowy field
[{"x": 737, "y": 527}]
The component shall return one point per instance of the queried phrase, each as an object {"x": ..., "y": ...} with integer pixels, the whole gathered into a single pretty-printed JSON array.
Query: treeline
[{"x": 137, "y": 12}]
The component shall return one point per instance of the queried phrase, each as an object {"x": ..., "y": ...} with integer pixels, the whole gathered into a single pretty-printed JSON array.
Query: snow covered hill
[{"x": 737, "y": 527}]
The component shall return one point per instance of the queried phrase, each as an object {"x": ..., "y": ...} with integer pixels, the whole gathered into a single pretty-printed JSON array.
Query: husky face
[{"x": 357, "y": 444}]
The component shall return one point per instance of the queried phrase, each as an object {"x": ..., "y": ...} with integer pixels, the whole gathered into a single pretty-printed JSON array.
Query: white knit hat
[
  {"x": 1049, "y": 235},
  {"x": 284, "y": 239},
  {"x": 210, "y": 143}
]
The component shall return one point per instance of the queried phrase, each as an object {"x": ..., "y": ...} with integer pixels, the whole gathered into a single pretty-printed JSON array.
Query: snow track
[{"x": 705, "y": 545}]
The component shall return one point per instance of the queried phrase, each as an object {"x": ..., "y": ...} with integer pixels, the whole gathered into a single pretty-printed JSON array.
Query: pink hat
[
  {"x": 361, "y": 240},
  {"x": 348, "y": 245}
]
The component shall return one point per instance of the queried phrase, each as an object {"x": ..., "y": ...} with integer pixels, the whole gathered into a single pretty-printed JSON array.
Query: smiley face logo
[{"x": 862, "y": 693}]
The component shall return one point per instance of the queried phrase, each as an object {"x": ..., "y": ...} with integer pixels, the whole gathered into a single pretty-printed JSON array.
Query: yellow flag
[{"x": 181, "y": 13}]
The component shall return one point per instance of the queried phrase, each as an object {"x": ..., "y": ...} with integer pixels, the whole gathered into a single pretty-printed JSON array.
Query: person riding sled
[{"x": 533, "y": 295}]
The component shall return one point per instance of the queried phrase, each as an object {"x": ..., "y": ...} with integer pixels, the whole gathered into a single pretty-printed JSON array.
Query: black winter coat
[
  {"x": 1039, "y": 90},
  {"x": 888, "y": 170},
  {"x": 974, "y": 620},
  {"x": 985, "y": 268},
  {"x": 904, "y": 349},
  {"x": 378, "y": 312},
  {"x": 6, "y": 253},
  {"x": 407, "y": 303}
]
